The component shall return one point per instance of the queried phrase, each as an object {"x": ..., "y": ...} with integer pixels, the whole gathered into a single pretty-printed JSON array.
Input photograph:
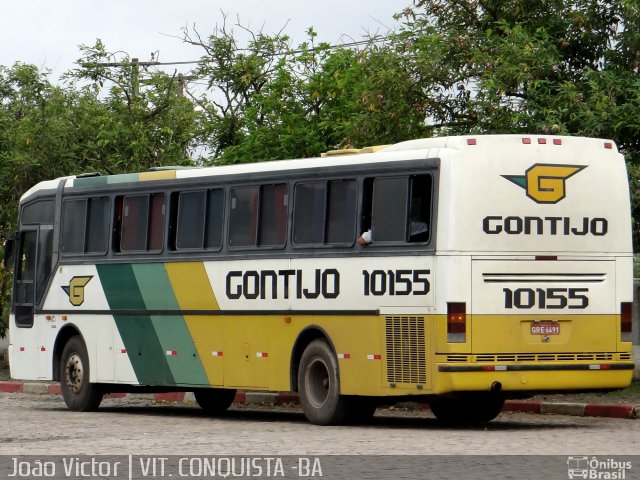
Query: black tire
[
  {"x": 319, "y": 385},
  {"x": 467, "y": 410},
  {"x": 361, "y": 410},
  {"x": 78, "y": 392},
  {"x": 215, "y": 401}
]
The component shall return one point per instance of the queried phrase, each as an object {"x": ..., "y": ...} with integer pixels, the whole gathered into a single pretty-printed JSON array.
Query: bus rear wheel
[
  {"x": 361, "y": 410},
  {"x": 468, "y": 410},
  {"x": 78, "y": 392},
  {"x": 319, "y": 385},
  {"x": 215, "y": 401}
]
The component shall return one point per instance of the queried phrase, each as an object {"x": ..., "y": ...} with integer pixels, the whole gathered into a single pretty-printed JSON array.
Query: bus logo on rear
[
  {"x": 545, "y": 183},
  {"x": 75, "y": 290}
]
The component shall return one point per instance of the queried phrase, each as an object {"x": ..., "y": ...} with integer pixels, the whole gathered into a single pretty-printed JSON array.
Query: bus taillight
[
  {"x": 456, "y": 322},
  {"x": 626, "y": 318}
]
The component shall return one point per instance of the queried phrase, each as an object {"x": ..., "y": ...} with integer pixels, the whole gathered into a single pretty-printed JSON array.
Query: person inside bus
[{"x": 419, "y": 233}]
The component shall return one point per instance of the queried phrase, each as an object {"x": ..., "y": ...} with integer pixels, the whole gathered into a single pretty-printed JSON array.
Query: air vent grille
[
  {"x": 405, "y": 342},
  {"x": 539, "y": 357}
]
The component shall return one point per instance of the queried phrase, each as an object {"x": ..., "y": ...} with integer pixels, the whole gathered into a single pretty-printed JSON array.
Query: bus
[{"x": 458, "y": 271}]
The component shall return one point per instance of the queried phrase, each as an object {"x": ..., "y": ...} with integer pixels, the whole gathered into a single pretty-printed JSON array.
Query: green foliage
[
  {"x": 267, "y": 100},
  {"x": 101, "y": 122},
  {"x": 566, "y": 67}
]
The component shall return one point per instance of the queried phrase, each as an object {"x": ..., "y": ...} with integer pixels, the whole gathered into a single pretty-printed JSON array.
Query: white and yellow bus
[{"x": 460, "y": 271}]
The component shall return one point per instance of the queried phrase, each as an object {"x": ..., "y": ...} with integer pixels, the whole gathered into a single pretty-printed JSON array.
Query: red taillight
[
  {"x": 626, "y": 317},
  {"x": 456, "y": 322}
]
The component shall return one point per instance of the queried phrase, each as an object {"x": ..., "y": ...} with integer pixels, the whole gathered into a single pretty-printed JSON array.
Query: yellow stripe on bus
[
  {"x": 193, "y": 291},
  {"x": 159, "y": 175}
]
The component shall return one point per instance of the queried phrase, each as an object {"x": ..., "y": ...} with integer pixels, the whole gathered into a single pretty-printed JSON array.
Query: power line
[{"x": 135, "y": 61}]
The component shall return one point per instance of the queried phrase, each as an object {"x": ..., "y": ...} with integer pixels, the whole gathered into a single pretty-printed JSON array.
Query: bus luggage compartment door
[{"x": 533, "y": 306}]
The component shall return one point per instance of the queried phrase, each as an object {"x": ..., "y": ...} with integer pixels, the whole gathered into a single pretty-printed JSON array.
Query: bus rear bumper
[{"x": 533, "y": 377}]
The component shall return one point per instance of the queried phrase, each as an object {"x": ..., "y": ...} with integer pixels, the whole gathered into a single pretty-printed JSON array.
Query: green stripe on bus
[
  {"x": 123, "y": 178},
  {"x": 97, "y": 181},
  {"x": 139, "y": 336},
  {"x": 172, "y": 331}
]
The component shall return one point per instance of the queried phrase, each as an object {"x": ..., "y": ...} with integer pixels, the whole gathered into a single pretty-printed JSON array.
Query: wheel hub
[
  {"x": 317, "y": 382},
  {"x": 74, "y": 373}
]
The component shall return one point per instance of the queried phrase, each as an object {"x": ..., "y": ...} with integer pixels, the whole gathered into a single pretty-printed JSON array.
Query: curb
[{"x": 626, "y": 411}]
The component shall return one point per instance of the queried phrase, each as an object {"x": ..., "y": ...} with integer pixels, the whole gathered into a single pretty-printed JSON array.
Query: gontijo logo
[
  {"x": 75, "y": 290},
  {"x": 545, "y": 183}
]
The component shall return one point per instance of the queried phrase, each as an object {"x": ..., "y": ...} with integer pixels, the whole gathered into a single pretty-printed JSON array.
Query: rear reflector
[
  {"x": 456, "y": 322},
  {"x": 626, "y": 317}
]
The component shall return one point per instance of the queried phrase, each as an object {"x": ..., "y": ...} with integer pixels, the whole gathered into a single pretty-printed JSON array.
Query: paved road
[{"x": 41, "y": 424}]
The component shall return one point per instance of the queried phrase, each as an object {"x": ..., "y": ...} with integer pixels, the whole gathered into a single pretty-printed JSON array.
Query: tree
[
  {"x": 101, "y": 122},
  {"x": 535, "y": 66},
  {"x": 267, "y": 100}
]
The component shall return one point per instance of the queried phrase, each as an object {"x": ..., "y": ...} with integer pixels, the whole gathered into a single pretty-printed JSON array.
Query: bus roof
[{"x": 407, "y": 150}]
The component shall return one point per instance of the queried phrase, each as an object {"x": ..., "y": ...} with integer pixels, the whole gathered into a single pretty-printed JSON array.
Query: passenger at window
[{"x": 419, "y": 231}]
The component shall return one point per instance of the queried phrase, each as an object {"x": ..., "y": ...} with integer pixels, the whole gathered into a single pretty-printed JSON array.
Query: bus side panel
[
  {"x": 74, "y": 291},
  {"x": 28, "y": 350}
]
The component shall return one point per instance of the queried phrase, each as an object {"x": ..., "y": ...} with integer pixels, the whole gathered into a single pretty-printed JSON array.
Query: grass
[{"x": 633, "y": 389}]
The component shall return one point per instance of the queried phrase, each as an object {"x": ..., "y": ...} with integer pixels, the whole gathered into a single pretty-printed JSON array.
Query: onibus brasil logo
[
  {"x": 545, "y": 183},
  {"x": 75, "y": 289}
]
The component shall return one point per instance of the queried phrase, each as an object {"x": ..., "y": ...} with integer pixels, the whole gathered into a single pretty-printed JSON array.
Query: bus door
[
  {"x": 24, "y": 298},
  {"x": 32, "y": 272}
]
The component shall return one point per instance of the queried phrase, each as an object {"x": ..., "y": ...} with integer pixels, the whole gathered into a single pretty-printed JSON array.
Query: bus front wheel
[
  {"x": 319, "y": 385},
  {"x": 215, "y": 400},
  {"x": 78, "y": 392}
]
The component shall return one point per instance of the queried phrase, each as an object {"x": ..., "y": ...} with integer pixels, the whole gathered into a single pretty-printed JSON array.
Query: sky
[{"x": 48, "y": 33}]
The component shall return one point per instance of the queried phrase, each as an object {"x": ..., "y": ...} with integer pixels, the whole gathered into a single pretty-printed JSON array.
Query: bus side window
[
  {"x": 156, "y": 222},
  {"x": 139, "y": 224},
  {"x": 190, "y": 220},
  {"x": 243, "y": 218},
  {"x": 397, "y": 209},
  {"x": 196, "y": 220},
  {"x": 325, "y": 213},
  {"x": 389, "y": 215},
  {"x": 74, "y": 214},
  {"x": 85, "y": 225},
  {"x": 341, "y": 212},
  {"x": 135, "y": 218},
  {"x": 258, "y": 216},
  {"x": 98, "y": 218},
  {"x": 274, "y": 203},
  {"x": 420, "y": 214},
  {"x": 214, "y": 220}
]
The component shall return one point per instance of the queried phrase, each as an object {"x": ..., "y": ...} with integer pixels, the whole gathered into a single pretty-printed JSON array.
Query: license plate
[{"x": 545, "y": 328}]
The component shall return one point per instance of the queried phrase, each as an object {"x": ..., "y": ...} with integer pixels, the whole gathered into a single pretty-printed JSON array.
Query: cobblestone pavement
[{"x": 41, "y": 424}]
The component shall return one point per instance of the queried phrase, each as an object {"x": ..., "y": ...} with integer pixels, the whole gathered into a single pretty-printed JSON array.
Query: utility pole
[
  {"x": 181, "y": 83},
  {"x": 135, "y": 77}
]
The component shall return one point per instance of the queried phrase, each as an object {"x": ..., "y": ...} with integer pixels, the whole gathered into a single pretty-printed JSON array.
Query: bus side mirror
[{"x": 7, "y": 258}]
